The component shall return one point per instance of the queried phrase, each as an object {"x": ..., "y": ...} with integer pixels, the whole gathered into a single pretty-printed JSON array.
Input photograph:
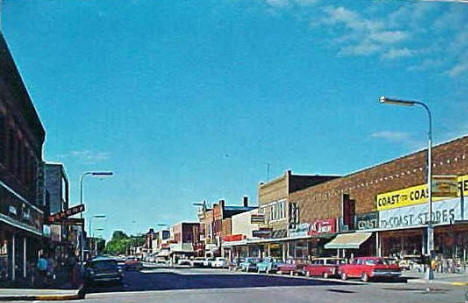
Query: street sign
[
  {"x": 445, "y": 186},
  {"x": 67, "y": 213}
]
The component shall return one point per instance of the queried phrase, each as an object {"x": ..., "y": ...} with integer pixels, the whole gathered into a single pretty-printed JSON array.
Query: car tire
[
  {"x": 344, "y": 276},
  {"x": 325, "y": 275},
  {"x": 364, "y": 277}
]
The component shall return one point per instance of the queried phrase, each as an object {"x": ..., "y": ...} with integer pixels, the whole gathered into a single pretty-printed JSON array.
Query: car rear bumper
[{"x": 389, "y": 274}]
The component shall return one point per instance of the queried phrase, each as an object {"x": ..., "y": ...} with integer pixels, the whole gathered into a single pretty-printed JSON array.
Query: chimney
[
  {"x": 246, "y": 201},
  {"x": 221, "y": 203}
]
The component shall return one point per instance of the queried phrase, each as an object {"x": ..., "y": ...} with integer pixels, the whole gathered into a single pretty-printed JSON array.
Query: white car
[
  {"x": 207, "y": 262},
  {"x": 219, "y": 263}
]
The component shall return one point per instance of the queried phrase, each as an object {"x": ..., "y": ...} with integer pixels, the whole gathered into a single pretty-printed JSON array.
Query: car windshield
[
  {"x": 377, "y": 262},
  {"x": 104, "y": 265}
]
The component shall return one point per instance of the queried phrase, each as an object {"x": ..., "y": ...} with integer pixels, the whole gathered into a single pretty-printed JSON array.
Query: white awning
[{"x": 348, "y": 241}]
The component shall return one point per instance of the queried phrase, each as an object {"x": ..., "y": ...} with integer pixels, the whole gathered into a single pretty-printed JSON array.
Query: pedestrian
[
  {"x": 42, "y": 268},
  {"x": 51, "y": 268}
]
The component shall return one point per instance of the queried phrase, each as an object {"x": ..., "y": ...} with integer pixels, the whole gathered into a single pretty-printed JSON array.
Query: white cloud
[
  {"x": 391, "y": 135},
  {"x": 395, "y": 53},
  {"x": 458, "y": 69},
  {"x": 362, "y": 36},
  {"x": 86, "y": 156}
]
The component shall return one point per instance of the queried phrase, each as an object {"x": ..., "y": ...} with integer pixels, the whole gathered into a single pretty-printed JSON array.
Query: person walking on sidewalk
[{"x": 42, "y": 269}]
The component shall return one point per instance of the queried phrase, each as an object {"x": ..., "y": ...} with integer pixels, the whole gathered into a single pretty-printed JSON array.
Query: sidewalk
[
  {"x": 20, "y": 294},
  {"x": 458, "y": 279}
]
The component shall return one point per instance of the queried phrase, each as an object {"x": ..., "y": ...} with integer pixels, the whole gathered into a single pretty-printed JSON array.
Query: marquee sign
[
  {"x": 419, "y": 194},
  {"x": 67, "y": 213}
]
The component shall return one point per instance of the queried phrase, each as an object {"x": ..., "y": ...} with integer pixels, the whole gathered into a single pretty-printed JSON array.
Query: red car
[
  {"x": 369, "y": 267},
  {"x": 287, "y": 268},
  {"x": 323, "y": 267}
]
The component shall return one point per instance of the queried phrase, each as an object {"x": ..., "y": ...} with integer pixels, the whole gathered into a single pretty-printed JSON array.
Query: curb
[
  {"x": 422, "y": 281},
  {"x": 78, "y": 296}
]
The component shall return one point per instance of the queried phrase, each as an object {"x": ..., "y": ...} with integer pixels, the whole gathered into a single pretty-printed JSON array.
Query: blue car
[
  {"x": 249, "y": 264},
  {"x": 268, "y": 265}
]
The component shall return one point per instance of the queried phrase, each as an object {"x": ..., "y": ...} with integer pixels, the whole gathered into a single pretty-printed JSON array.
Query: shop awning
[{"x": 348, "y": 241}]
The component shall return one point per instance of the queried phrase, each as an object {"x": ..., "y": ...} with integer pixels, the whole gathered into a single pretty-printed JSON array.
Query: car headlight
[{"x": 91, "y": 272}]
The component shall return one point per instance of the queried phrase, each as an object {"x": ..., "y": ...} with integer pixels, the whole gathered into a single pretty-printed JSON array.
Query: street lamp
[
  {"x": 430, "y": 228},
  {"x": 93, "y": 174},
  {"x": 91, "y": 231}
]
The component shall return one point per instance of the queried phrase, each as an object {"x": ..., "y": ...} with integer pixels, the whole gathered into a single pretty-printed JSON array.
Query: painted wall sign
[
  {"x": 443, "y": 212},
  {"x": 367, "y": 221},
  {"x": 413, "y": 195},
  {"x": 327, "y": 226}
]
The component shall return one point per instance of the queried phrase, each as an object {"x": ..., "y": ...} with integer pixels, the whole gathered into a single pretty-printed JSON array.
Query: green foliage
[{"x": 121, "y": 242}]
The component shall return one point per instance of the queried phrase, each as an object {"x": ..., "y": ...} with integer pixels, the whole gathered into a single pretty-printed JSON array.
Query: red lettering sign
[{"x": 322, "y": 227}]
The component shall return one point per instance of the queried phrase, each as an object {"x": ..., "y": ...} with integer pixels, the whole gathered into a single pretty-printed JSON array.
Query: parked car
[
  {"x": 197, "y": 262},
  {"x": 323, "y": 267},
  {"x": 235, "y": 264},
  {"x": 207, "y": 262},
  {"x": 410, "y": 262},
  {"x": 268, "y": 265},
  {"x": 300, "y": 266},
  {"x": 132, "y": 263},
  {"x": 289, "y": 267},
  {"x": 184, "y": 261},
  {"x": 103, "y": 269},
  {"x": 369, "y": 267},
  {"x": 161, "y": 260},
  {"x": 249, "y": 264},
  {"x": 219, "y": 263}
]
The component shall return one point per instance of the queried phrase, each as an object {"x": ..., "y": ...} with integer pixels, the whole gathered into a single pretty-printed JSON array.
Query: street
[{"x": 215, "y": 285}]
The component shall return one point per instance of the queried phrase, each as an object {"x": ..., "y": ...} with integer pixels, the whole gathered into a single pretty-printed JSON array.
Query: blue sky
[{"x": 188, "y": 100}]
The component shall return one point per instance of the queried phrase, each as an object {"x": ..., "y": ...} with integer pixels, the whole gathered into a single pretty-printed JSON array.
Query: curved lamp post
[{"x": 430, "y": 228}]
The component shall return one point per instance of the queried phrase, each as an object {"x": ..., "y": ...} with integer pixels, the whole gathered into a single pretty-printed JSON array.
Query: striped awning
[{"x": 348, "y": 241}]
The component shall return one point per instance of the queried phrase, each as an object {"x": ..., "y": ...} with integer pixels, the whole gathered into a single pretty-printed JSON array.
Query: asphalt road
[{"x": 215, "y": 285}]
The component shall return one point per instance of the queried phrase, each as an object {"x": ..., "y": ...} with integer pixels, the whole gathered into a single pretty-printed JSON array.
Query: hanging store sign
[
  {"x": 417, "y": 195},
  {"x": 443, "y": 212},
  {"x": 65, "y": 214},
  {"x": 327, "y": 226},
  {"x": 367, "y": 221},
  {"x": 300, "y": 231},
  {"x": 445, "y": 186},
  {"x": 257, "y": 219},
  {"x": 262, "y": 233}
]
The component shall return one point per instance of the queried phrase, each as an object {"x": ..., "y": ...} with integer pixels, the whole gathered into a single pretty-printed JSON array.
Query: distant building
[
  {"x": 185, "y": 237},
  {"x": 56, "y": 183}
]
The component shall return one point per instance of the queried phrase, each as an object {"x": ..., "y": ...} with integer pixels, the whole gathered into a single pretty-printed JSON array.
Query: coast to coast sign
[{"x": 414, "y": 195}]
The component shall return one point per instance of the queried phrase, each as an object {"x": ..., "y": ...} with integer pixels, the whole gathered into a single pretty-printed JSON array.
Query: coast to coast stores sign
[
  {"x": 443, "y": 212},
  {"x": 419, "y": 194}
]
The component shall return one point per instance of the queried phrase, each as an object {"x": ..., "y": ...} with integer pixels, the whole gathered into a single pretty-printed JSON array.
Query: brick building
[
  {"x": 22, "y": 195},
  {"x": 362, "y": 201},
  {"x": 279, "y": 212},
  {"x": 185, "y": 238},
  {"x": 216, "y": 223}
]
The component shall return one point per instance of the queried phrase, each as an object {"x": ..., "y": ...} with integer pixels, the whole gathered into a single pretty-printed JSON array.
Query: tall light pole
[
  {"x": 93, "y": 174},
  {"x": 91, "y": 231},
  {"x": 430, "y": 227}
]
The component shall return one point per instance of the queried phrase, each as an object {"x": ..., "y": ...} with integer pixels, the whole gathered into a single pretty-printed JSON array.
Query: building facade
[
  {"x": 387, "y": 203},
  {"x": 22, "y": 195}
]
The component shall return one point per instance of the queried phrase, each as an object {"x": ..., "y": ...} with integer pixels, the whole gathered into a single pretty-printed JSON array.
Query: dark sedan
[{"x": 103, "y": 270}]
